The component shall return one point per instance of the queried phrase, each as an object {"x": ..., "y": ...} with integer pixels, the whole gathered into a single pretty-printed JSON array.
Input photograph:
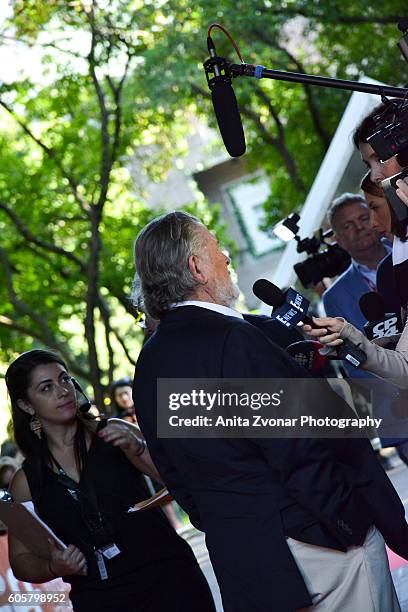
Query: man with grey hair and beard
[{"x": 290, "y": 524}]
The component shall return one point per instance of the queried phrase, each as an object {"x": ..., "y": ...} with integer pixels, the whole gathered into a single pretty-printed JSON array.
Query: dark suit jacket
[
  {"x": 386, "y": 285},
  {"x": 341, "y": 300},
  {"x": 236, "y": 490},
  {"x": 282, "y": 336}
]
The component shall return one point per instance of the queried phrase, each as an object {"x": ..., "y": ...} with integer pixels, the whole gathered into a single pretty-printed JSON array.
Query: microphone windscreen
[
  {"x": 268, "y": 293},
  {"x": 228, "y": 118},
  {"x": 372, "y": 306}
]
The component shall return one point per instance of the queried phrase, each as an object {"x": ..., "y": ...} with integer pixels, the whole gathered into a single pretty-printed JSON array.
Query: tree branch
[
  {"x": 52, "y": 155},
  {"x": 310, "y": 98},
  {"x": 21, "y": 329},
  {"x": 106, "y": 161},
  {"x": 125, "y": 349},
  {"x": 63, "y": 272},
  {"x": 343, "y": 19},
  {"x": 354, "y": 20},
  {"x": 34, "y": 43},
  {"x": 48, "y": 246},
  {"x": 23, "y": 308},
  {"x": 117, "y": 96},
  {"x": 272, "y": 111},
  {"x": 105, "y": 313},
  {"x": 277, "y": 142}
]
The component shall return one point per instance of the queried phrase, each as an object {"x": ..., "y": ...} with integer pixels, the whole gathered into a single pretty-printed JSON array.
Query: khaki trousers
[{"x": 358, "y": 580}]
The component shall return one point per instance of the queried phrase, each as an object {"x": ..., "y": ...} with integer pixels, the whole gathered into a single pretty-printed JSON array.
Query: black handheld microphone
[
  {"x": 270, "y": 294},
  {"x": 224, "y": 102},
  {"x": 380, "y": 324},
  {"x": 273, "y": 296},
  {"x": 306, "y": 353}
]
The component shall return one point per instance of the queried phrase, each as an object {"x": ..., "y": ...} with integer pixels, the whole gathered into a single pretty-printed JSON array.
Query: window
[{"x": 247, "y": 198}]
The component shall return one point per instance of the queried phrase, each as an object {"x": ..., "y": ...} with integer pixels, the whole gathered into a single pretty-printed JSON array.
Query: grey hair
[
  {"x": 344, "y": 200},
  {"x": 162, "y": 251}
]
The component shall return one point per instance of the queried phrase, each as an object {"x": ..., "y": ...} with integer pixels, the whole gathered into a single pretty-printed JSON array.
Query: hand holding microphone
[
  {"x": 270, "y": 294},
  {"x": 290, "y": 309},
  {"x": 326, "y": 330},
  {"x": 380, "y": 324},
  {"x": 402, "y": 191}
]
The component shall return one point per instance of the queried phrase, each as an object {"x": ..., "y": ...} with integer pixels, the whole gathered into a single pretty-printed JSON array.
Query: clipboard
[{"x": 24, "y": 524}]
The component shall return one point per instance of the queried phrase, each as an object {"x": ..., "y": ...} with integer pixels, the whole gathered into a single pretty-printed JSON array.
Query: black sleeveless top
[{"x": 145, "y": 538}]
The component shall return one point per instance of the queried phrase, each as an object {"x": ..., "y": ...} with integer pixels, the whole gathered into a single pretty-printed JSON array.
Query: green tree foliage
[{"x": 68, "y": 211}]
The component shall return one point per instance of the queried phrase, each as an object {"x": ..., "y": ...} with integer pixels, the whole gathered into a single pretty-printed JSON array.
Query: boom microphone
[{"x": 224, "y": 102}]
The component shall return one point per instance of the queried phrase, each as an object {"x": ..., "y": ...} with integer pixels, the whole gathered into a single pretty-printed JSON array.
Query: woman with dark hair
[
  {"x": 380, "y": 211},
  {"x": 122, "y": 401},
  {"x": 82, "y": 481},
  {"x": 382, "y": 216},
  {"x": 378, "y": 170}
]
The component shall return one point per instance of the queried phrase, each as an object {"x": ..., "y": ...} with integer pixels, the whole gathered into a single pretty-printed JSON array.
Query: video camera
[
  {"x": 326, "y": 263},
  {"x": 389, "y": 139},
  {"x": 390, "y": 136}
]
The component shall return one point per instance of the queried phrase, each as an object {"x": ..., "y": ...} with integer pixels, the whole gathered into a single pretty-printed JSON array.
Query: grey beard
[{"x": 227, "y": 294}]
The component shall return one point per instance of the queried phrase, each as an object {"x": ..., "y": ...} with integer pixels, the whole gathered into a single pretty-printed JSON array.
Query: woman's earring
[{"x": 35, "y": 426}]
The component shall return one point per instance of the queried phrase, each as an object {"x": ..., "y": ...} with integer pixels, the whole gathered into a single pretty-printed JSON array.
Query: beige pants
[{"x": 356, "y": 581}]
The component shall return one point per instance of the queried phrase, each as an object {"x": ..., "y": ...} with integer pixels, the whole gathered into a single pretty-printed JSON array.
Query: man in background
[{"x": 349, "y": 218}]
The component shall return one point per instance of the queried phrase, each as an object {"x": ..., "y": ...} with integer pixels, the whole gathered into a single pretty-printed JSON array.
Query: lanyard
[{"x": 84, "y": 496}]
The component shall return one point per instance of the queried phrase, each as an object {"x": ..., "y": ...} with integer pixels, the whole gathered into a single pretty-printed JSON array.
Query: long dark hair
[
  {"x": 398, "y": 228},
  {"x": 367, "y": 126},
  {"x": 18, "y": 380}
]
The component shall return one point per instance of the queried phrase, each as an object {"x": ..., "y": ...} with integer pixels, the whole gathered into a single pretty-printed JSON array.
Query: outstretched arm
[{"x": 381, "y": 361}]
